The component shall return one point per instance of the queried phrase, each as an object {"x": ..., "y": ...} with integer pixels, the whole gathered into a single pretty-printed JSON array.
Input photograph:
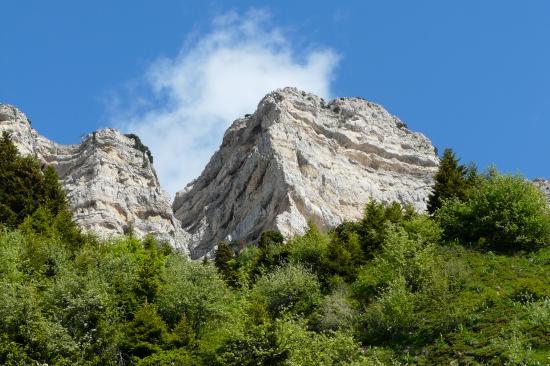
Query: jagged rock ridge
[
  {"x": 298, "y": 158},
  {"x": 110, "y": 182}
]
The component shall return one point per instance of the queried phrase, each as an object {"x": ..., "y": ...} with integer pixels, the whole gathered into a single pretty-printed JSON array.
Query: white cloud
[{"x": 214, "y": 80}]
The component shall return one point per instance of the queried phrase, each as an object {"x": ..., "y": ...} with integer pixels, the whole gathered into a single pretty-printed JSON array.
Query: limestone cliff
[
  {"x": 544, "y": 186},
  {"x": 110, "y": 182},
  {"x": 299, "y": 158}
]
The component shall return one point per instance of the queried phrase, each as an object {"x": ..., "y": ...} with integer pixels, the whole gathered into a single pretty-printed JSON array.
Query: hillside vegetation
[{"x": 466, "y": 285}]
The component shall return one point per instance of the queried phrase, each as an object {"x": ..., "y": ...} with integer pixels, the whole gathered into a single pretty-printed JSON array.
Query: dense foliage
[{"x": 394, "y": 288}]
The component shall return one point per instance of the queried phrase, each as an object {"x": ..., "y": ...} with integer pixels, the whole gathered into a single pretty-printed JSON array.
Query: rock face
[
  {"x": 298, "y": 158},
  {"x": 109, "y": 179},
  {"x": 544, "y": 186}
]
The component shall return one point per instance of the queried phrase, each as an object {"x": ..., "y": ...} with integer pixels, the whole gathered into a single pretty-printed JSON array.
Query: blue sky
[{"x": 471, "y": 75}]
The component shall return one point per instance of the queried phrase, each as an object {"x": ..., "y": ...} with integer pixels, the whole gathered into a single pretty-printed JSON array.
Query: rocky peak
[
  {"x": 109, "y": 179},
  {"x": 299, "y": 158}
]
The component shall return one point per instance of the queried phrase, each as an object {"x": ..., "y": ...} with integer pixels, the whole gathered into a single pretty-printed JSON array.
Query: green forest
[{"x": 467, "y": 283}]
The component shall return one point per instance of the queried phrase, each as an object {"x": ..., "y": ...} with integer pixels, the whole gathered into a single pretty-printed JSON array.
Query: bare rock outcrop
[
  {"x": 109, "y": 179},
  {"x": 544, "y": 186},
  {"x": 299, "y": 158}
]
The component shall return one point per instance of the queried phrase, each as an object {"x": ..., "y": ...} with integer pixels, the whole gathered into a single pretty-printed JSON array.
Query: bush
[
  {"x": 392, "y": 314},
  {"x": 260, "y": 346},
  {"x": 310, "y": 250},
  {"x": 309, "y": 348},
  {"x": 505, "y": 213},
  {"x": 411, "y": 256},
  {"x": 288, "y": 289},
  {"x": 140, "y": 146},
  {"x": 287, "y": 341},
  {"x": 405, "y": 276},
  {"x": 194, "y": 291},
  {"x": 336, "y": 312}
]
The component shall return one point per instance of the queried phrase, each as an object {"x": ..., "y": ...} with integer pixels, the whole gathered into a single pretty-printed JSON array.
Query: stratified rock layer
[
  {"x": 110, "y": 183},
  {"x": 298, "y": 158}
]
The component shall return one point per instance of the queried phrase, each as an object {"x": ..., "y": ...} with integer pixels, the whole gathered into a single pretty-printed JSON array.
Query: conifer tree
[
  {"x": 226, "y": 264},
  {"x": 270, "y": 237},
  {"x": 24, "y": 187},
  {"x": 452, "y": 180}
]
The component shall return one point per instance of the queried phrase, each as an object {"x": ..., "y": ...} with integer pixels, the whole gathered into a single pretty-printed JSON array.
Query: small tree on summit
[{"x": 452, "y": 180}]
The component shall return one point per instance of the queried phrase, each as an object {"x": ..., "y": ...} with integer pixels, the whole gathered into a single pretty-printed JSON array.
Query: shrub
[
  {"x": 409, "y": 256},
  {"x": 260, "y": 346},
  {"x": 374, "y": 223},
  {"x": 336, "y": 312},
  {"x": 291, "y": 289},
  {"x": 306, "y": 347},
  {"x": 392, "y": 314},
  {"x": 504, "y": 213},
  {"x": 140, "y": 146},
  {"x": 194, "y": 291},
  {"x": 310, "y": 250},
  {"x": 287, "y": 341}
]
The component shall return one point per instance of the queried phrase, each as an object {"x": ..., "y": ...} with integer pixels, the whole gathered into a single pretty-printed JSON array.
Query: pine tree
[
  {"x": 24, "y": 187},
  {"x": 145, "y": 334},
  {"x": 270, "y": 237},
  {"x": 54, "y": 196},
  {"x": 21, "y": 184},
  {"x": 451, "y": 180},
  {"x": 227, "y": 265}
]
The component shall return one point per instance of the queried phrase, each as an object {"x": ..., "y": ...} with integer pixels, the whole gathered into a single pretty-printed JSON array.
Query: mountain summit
[
  {"x": 109, "y": 179},
  {"x": 296, "y": 159},
  {"x": 299, "y": 158}
]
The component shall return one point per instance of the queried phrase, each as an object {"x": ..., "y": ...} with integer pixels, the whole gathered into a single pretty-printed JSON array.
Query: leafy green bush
[
  {"x": 503, "y": 213},
  {"x": 310, "y": 348},
  {"x": 336, "y": 312},
  {"x": 196, "y": 292},
  {"x": 287, "y": 341},
  {"x": 291, "y": 289}
]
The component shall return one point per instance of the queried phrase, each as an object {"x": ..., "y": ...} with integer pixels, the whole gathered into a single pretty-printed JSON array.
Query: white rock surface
[
  {"x": 298, "y": 158},
  {"x": 543, "y": 185},
  {"x": 110, "y": 184}
]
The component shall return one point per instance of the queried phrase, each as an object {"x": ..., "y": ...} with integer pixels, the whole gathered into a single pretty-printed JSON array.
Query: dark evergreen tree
[
  {"x": 54, "y": 197},
  {"x": 25, "y": 188},
  {"x": 21, "y": 184},
  {"x": 226, "y": 264},
  {"x": 270, "y": 237},
  {"x": 451, "y": 180},
  {"x": 145, "y": 334}
]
